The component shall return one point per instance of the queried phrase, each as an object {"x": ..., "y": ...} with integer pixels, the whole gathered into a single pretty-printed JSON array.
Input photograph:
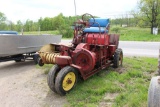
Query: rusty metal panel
[{"x": 19, "y": 44}]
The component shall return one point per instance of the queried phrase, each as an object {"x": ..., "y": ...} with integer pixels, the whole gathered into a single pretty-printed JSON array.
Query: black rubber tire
[
  {"x": 18, "y": 60},
  {"x": 158, "y": 71},
  {"x": 35, "y": 58},
  {"x": 52, "y": 77},
  {"x": 154, "y": 92},
  {"x": 60, "y": 77},
  {"x": 40, "y": 62},
  {"x": 118, "y": 58}
]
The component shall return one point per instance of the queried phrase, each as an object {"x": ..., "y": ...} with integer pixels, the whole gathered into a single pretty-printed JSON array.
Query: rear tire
[
  {"x": 154, "y": 92},
  {"x": 66, "y": 80},
  {"x": 118, "y": 58},
  {"x": 52, "y": 77}
]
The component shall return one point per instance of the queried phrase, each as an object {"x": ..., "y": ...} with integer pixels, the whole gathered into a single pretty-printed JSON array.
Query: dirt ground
[{"x": 22, "y": 84}]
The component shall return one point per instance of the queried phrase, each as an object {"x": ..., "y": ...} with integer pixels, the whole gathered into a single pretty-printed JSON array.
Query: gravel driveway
[{"x": 24, "y": 85}]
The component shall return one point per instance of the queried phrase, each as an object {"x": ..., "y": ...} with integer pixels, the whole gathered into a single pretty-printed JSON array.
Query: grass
[
  {"x": 41, "y": 33},
  {"x": 137, "y": 34},
  {"x": 126, "y": 34},
  {"x": 131, "y": 85}
]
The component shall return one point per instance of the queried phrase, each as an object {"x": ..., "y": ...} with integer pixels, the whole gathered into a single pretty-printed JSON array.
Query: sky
[{"x": 22, "y": 10}]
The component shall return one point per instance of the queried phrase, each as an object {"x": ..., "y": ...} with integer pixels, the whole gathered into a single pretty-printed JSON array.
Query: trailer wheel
[
  {"x": 118, "y": 58},
  {"x": 35, "y": 58},
  {"x": 154, "y": 92},
  {"x": 17, "y": 60},
  {"x": 20, "y": 60},
  {"x": 66, "y": 80},
  {"x": 52, "y": 77}
]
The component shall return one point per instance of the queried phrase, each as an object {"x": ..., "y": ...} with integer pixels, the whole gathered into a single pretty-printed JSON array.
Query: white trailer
[{"x": 18, "y": 47}]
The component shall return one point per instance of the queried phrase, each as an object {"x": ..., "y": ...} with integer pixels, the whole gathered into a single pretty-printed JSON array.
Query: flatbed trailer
[{"x": 20, "y": 47}]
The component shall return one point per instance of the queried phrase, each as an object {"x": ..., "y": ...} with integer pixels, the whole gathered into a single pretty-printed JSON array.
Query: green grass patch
[
  {"x": 135, "y": 34},
  {"x": 131, "y": 85},
  {"x": 40, "y": 33}
]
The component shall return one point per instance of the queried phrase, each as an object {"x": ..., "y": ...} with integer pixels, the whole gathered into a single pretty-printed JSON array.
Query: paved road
[
  {"x": 135, "y": 48},
  {"x": 132, "y": 48}
]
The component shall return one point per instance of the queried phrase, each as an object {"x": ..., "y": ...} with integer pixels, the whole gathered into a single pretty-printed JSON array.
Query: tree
[
  {"x": 63, "y": 25},
  {"x": 149, "y": 11},
  {"x": 3, "y": 25},
  {"x": 19, "y": 25},
  {"x": 40, "y": 23},
  {"x": 2, "y": 17}
]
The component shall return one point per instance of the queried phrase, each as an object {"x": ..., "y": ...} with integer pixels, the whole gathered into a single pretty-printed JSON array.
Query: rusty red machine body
[{"x": 92, "y": 50}]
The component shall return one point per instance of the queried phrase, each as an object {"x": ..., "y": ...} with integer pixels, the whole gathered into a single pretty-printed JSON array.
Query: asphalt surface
[{"x": 136, "y": 48}]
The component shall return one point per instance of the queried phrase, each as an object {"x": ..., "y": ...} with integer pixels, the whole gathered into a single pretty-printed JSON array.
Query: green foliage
[
  {"x": 116, "y": 29},
  {"x": 2, "y": 17},
  {"x": 148, "y": 13},
  {"x": 3, "y": 25},
  {"x": 63, "y": 26},
  {"x": 59, "y": 23},
  {"x": 66, "y": 31},
  {"x": 56, "y": 25},
  {"x": 19, "y": 26}
]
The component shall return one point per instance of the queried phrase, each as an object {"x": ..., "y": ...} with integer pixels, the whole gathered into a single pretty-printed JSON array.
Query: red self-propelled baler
[{"x": 92, "y": 50}]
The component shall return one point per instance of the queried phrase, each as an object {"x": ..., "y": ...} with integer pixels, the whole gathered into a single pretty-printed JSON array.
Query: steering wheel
[{"x": 86, "y": 17}]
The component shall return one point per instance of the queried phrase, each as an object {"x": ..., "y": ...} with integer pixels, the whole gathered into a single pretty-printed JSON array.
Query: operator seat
[{"x": 101, "y": 25}]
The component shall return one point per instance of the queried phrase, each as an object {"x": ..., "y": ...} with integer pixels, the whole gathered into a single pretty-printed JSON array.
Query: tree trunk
[
  {"x": 151, "y": 29},
  {"x": 152, "y": 25}
]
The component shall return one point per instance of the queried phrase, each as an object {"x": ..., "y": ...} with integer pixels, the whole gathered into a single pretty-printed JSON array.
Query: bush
[
  {"x": 66, "y": 31},
  {"x": 116, "y": 29}
]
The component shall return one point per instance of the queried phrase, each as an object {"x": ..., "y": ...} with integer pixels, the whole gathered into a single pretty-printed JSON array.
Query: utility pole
[{"x": 75, "y": 7}]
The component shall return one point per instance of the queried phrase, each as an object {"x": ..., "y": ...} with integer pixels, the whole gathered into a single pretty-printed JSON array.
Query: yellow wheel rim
[{"x": 69, "y": 81}]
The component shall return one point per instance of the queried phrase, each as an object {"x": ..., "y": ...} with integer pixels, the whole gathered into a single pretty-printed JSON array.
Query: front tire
[
  {"x": 52, "y": 77},
  {"x": 118, "y": 58},
  {"x": 66, "y": 80}
]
